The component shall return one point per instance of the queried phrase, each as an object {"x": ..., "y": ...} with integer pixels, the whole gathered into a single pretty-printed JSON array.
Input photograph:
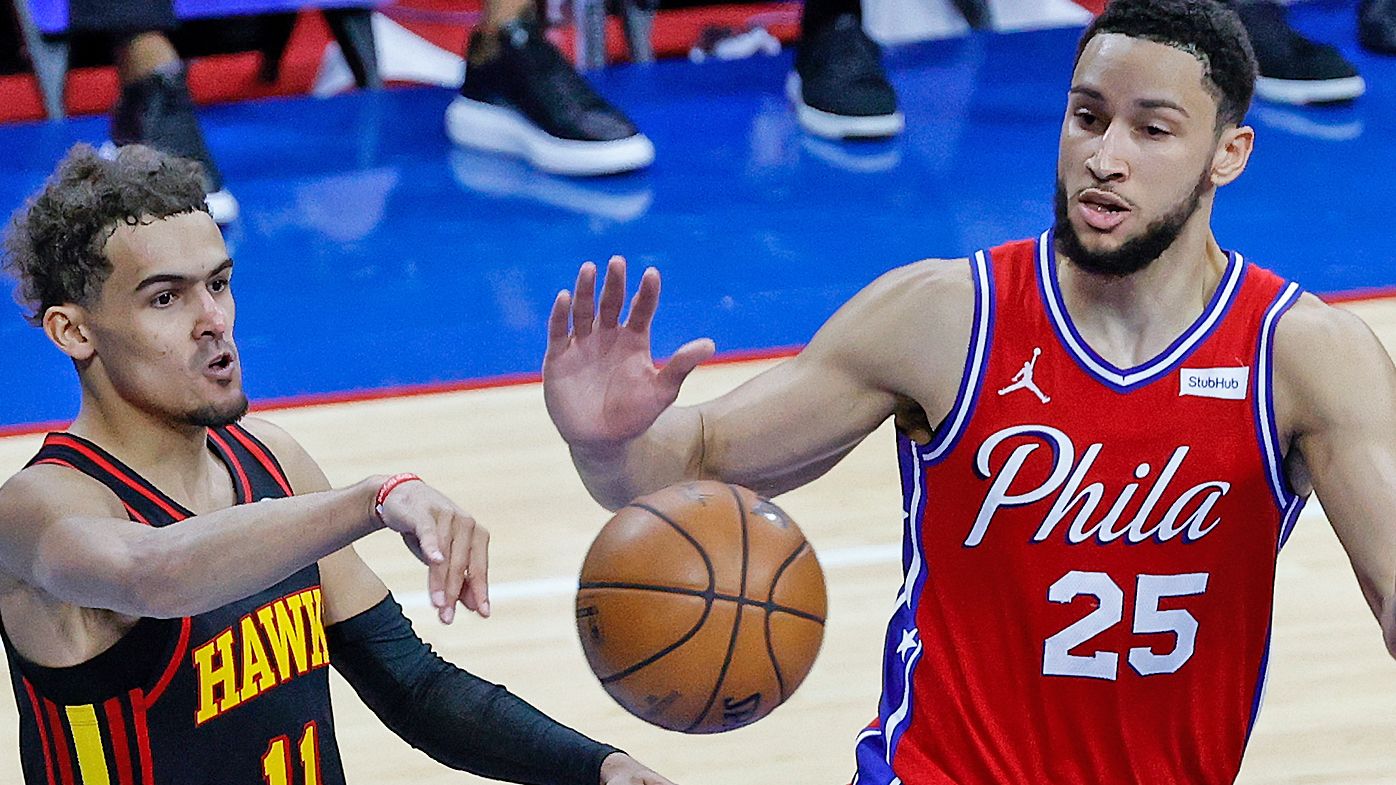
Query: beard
[
  {"x": 216, "y": 415},
  {"x": 1136, "y": 253}
]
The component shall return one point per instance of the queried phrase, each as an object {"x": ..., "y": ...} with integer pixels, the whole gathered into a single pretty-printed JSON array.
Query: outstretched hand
[
  {"x": 600, "y": 383},
  {"x": 448, "y": 541}
]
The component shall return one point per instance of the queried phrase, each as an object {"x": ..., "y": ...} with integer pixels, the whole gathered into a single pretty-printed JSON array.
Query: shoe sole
[
  {"x": 222, "y": 206},
  {"x": 1309, "y": 91},
  {"x": 828, "y": 125},
  {"x": 496, "y": 129}
]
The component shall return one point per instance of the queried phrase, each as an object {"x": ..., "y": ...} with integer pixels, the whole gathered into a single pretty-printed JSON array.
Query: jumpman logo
[{"x": 1023, "y": 379}]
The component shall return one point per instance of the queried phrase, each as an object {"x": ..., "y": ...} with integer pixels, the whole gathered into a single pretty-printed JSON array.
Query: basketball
[{"x": 701, "y": 607}]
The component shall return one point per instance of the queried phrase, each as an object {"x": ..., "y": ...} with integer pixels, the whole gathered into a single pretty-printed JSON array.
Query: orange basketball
[{"x": 701, "y": 607}]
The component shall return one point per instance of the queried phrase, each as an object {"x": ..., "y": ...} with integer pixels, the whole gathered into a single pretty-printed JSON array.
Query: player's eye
[
  {"x": 218, "y": 285},
  {"x": 1156, "y": 132},
  {"x": 1086, "y": 118},
  {"x": 163, "y": 299}
]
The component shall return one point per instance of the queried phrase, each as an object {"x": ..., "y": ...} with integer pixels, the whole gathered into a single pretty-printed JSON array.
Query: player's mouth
[
  {"x": 1102, "y": 210},
  {"x": 222, "y": 367}
]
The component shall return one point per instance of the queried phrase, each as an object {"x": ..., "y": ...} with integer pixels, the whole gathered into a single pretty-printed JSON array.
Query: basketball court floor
[{"x": 392, "y": 293}]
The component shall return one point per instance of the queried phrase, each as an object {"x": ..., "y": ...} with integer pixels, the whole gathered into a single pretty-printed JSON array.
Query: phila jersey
[
  {"x": 1089, "y": 550},
  {"x": 234, "y": 696}
]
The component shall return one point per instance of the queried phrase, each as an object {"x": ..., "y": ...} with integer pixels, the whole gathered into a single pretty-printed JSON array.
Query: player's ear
[
  {"x": 1233, "y": 151},
  {"x": 66, "y": 326}
]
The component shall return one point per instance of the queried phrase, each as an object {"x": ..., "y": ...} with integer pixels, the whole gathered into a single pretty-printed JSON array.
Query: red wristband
[{"x": 386, "y": 488}]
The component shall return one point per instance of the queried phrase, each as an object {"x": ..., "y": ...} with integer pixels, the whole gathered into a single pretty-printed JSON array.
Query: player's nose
[
  {"x": 1108, "y": 160},
  {"x": 212, "y": 318}
]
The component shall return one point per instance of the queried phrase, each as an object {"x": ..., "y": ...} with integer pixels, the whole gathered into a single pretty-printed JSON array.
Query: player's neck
[
  {"x": 1129, "y": 319},
  {"x": 172, "y": 456}
]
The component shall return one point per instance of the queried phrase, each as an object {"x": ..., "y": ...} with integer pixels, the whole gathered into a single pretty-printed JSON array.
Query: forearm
[
  {"x": 246, "y": 547},
  {"x": 458, "y": 719},
  {"x": 671, "y": 451}
]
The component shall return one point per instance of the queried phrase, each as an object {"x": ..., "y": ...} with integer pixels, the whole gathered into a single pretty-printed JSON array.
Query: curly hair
[
  {"x": 55, "y": 244},
  {"x": 1206, "y": 29}
]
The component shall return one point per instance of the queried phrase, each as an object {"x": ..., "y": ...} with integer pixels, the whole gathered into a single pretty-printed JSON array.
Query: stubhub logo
[{"x": 1228, "y": 383}]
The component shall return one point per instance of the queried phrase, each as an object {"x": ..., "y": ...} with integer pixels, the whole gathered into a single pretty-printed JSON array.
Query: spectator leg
[
  {"x": 353, "y": 29},
  {"x": 49, "y": 57}
]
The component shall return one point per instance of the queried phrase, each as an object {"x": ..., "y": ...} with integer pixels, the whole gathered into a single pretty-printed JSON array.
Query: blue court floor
[{"x": 372, "y": 254}]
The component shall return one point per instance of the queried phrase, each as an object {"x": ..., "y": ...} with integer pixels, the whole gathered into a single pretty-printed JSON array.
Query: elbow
[{"x": 133, "y": 574}]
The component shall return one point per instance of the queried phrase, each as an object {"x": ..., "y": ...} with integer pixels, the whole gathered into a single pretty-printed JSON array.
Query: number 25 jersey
[{"x": 1089, "y": 550}]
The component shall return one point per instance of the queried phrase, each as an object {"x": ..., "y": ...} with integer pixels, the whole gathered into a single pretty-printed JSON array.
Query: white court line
[
  {"x": 837, "y": 558},
  {"x": 833, "y": 559}
]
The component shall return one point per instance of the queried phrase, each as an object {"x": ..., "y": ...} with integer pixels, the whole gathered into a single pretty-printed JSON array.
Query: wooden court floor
[{"x": 1329, "y": 717}]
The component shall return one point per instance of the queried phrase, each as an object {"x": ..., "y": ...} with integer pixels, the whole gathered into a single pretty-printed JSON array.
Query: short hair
[
  {"x": 55, "y": 244},
  {"x": 1206, "y": 29}
]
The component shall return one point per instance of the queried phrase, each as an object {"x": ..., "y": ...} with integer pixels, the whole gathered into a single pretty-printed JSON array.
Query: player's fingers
[
  {"x": 424, "y": 531},
  {"x": 461, "y": 541},
  {"x": 584, "y": 300},
  {"x": 477, "y": 590},
  {"x": 645, "y": 302},
  {"x": 437, "y": 569},
  {"x": 684, "y": 361},
  {"x": 557, "y": 321},
  {"x": 612, "y": 293}
]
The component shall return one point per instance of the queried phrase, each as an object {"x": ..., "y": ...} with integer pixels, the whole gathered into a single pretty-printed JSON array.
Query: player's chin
[{"x": 218, "y": 411}]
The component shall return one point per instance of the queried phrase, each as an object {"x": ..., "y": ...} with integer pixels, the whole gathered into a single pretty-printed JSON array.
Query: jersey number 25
[{"x": 1148, "y": 619}]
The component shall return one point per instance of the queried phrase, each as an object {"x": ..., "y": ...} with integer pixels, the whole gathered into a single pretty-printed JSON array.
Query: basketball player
[
  {"x": 1088, "y": 571},
  {"x": 168, "y": 611}
]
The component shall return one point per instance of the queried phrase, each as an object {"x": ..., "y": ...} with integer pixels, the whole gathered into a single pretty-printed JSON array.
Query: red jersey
[{"x": 1089, "y": 550}]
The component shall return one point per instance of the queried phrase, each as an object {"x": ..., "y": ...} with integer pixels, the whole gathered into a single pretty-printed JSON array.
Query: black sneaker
[
  {"x": 530, "y": 102},
  {"x": 838, "y": 86},
  {"x": 1376, "y": 26},
  {"x": 1293, "y": 69},
  {"x": 157, "y": 111}
]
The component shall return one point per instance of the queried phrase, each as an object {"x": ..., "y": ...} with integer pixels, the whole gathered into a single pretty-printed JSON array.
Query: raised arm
[
  {"x": 898, "y": 344},
  {"x": 1336, "y": 388}
]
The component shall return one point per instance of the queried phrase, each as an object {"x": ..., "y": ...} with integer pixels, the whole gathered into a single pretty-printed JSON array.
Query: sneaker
[
  {"x": 838, "y": 86},
  {"x": 157, "y": 111},
  {"x": 1376, "y": 26},
  {"x": 529, "y": 102},
  {"x": 1294, "y": 69}
]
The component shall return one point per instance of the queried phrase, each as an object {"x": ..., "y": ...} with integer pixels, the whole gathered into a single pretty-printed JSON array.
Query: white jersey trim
[
  {"x": 954, "y": 423},
  {"x": 1129, "y": 378}
]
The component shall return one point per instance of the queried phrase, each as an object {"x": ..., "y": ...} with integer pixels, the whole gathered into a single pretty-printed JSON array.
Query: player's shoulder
[
  {"x": 46, "y": 490},
  {"x": 1323, "y": 353},
  {"x": 301, "y": 469},
  {"x": 946, "y": 276},
  {"x": 1315, "y": 332},
  {"x": 931, "y": 286}
]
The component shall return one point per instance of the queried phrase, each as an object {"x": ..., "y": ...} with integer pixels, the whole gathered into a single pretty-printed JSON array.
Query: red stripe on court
[
  {"x": 142, "y": 738},
  {"x": 237, "y": 465},
  {"x": 1358, "y": 295},
  {"x": 486, "y": 383},
  {"x": 260, "y": 455},
  {"x": 126, "y": 479},
  {"x": 60, "y": 743},
  {"x": 121, "y": 750},
  {"x": 173, "y": 666},
  {"x": 43, "y": 734}
]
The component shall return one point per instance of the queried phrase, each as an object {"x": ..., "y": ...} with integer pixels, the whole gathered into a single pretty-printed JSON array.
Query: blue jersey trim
[{"x": 1128, "y": 379}]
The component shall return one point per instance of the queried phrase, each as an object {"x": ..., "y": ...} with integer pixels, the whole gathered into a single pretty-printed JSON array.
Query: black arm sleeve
[{"x": 458, "y": 719}]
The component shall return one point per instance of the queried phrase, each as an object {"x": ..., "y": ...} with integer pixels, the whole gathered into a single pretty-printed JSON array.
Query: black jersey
[{"x": 238, "y": 695}]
